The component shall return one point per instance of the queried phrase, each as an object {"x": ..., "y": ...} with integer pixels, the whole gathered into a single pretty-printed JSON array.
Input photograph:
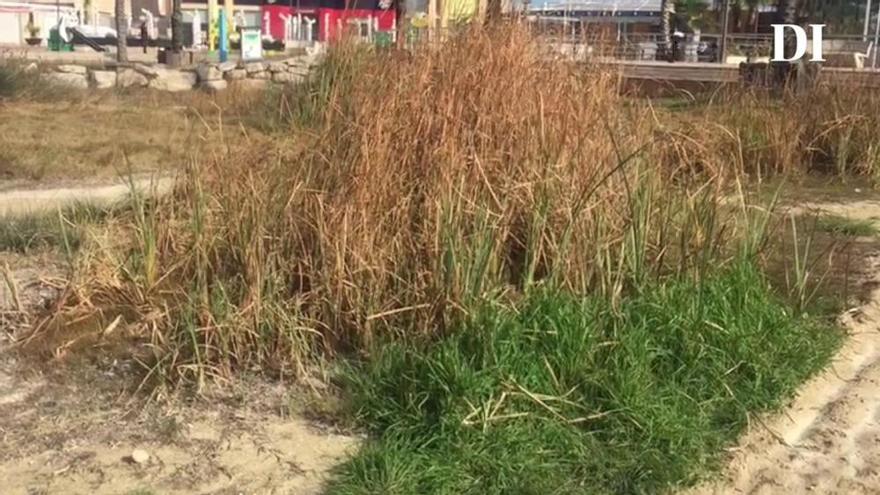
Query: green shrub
[
  {"x": 18, "y": 80},
  {"x": 564, "y": 395}
]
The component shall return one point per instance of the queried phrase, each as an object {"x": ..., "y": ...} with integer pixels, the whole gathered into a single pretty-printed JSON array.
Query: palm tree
[
  {"x": 667, "y": 10},
  {"x": 786, "y": 13},
  {"x": 121, "y": 32},
  {"x": 177, "y": 29},
  {"x": 795, "y": 75},
  {"x": 751, "y": 17}
]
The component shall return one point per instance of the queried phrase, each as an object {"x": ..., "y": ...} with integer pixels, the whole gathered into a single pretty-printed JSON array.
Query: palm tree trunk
[
  {"x": 751, "y": 17},
  {"x": 786, "y": 13},
  {"x": 177, "y": 27},
  {"x": 736, "y": 16},
  {"x": 121, "y": 32},
  {"x": 795, "y": 76},
  {"x": 667, "y": 9}
]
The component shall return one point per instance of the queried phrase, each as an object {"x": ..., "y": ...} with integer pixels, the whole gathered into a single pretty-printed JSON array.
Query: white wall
[
  {"x": 10, "y": 28},
  {"x": 46, "y": 20}
]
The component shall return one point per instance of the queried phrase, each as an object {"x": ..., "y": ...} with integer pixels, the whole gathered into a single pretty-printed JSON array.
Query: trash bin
[
  {"x": 56, "y": 44},
  {"x": 383, "y": 39}
]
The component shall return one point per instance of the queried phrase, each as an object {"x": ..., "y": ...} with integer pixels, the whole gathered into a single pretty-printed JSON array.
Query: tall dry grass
[
  {"x": 409, "y": 188},
  {"x": 830, "y": 129}
]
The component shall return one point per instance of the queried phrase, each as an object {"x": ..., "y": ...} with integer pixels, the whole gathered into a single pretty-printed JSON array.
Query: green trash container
[
  {"x": 56, "y": 44},
  {"x": 383, "y": 39}
]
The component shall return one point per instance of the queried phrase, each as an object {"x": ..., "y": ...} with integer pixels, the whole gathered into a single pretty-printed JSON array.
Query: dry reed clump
[
  {"x": 419, "y": 185},
  {"x": 845, "y": 138},
  {"x": 829, "y": 129}
]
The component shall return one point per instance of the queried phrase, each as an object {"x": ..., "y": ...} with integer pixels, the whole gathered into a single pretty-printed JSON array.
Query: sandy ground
[
  {"x": 73, "y": 428},
  {"x": 69, "y": 436},
  {"x": 828, "y": 439},
  {"x": 72, "y": 424}
]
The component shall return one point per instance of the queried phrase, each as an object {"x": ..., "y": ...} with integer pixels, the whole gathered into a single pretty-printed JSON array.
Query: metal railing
[{"x": 578, "y": 40}]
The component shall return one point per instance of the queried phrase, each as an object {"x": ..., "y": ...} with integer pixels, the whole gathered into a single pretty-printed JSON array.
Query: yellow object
[
  {"x": 459, "y": 11},
  {"x": 420, "y": 21},
  {"x": 228, "y": 6},
  {"x": 213, "y": 27}
]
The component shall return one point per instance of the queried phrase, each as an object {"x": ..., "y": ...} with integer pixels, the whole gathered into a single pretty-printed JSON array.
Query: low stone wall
[{"x": 208, "y": 76}]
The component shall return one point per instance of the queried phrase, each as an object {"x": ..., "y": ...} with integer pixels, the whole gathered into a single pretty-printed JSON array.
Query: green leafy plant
[
  {"x": 32, "y": 28},
  {"x": 558, "y": 394}
]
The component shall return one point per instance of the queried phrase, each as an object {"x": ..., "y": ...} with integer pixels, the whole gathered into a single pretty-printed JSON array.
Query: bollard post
[{"x": 224, "y": 36}]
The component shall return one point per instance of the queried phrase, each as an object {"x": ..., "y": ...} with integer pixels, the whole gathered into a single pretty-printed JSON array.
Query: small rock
[
  {"x": 285, "y": 77},
  {"x": 296, "y": 62},
  {"x": 71, "y": 69},
  {"x": 140, "y": 456},
  {"x": 103, "y": 79},
  {"x": 236, "y": 74},
  {"x": 251, "y": 84},
  {"x": 77, "y": 81},
  {"x": 312, "y": 59},
  {"x": 277, "y": 67},
  {"x": 209, "y": 72},
  {"x": 299, "y": 71},
  {"x": 174, "y": 80},
  {"x": 126, "y": 78},
  {"x": 254, "y": 67},
  {"x": 316, "y": 50},
  {"x": 214, "y": 86},
  {"x": 259, "y": 75},
  {"x": 226, "y": 66},
  {"x": 147, "y": 70}
]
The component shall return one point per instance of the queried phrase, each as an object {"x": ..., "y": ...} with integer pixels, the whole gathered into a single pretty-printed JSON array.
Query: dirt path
[
  {"x": 79, "y": 435},
  {"x": 828, "y": 439},
  {"x": 29, "y": 200},
  {"x": 71, "y": 423}
]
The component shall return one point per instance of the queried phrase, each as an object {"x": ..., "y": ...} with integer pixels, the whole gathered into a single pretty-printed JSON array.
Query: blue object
[{"x": 224, "y": 37}]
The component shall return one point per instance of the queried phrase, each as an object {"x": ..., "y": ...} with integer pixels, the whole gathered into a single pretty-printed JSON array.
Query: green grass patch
[
  {"x": 567, "y": 395},
  {"x": 18, "y": 79},
  {"x": 47, "y": 229},
  {"x": 846, "y": 226}
]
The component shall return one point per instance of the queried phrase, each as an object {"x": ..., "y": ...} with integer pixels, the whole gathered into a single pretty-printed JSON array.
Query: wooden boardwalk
[{"x": 702, "y": 72}]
